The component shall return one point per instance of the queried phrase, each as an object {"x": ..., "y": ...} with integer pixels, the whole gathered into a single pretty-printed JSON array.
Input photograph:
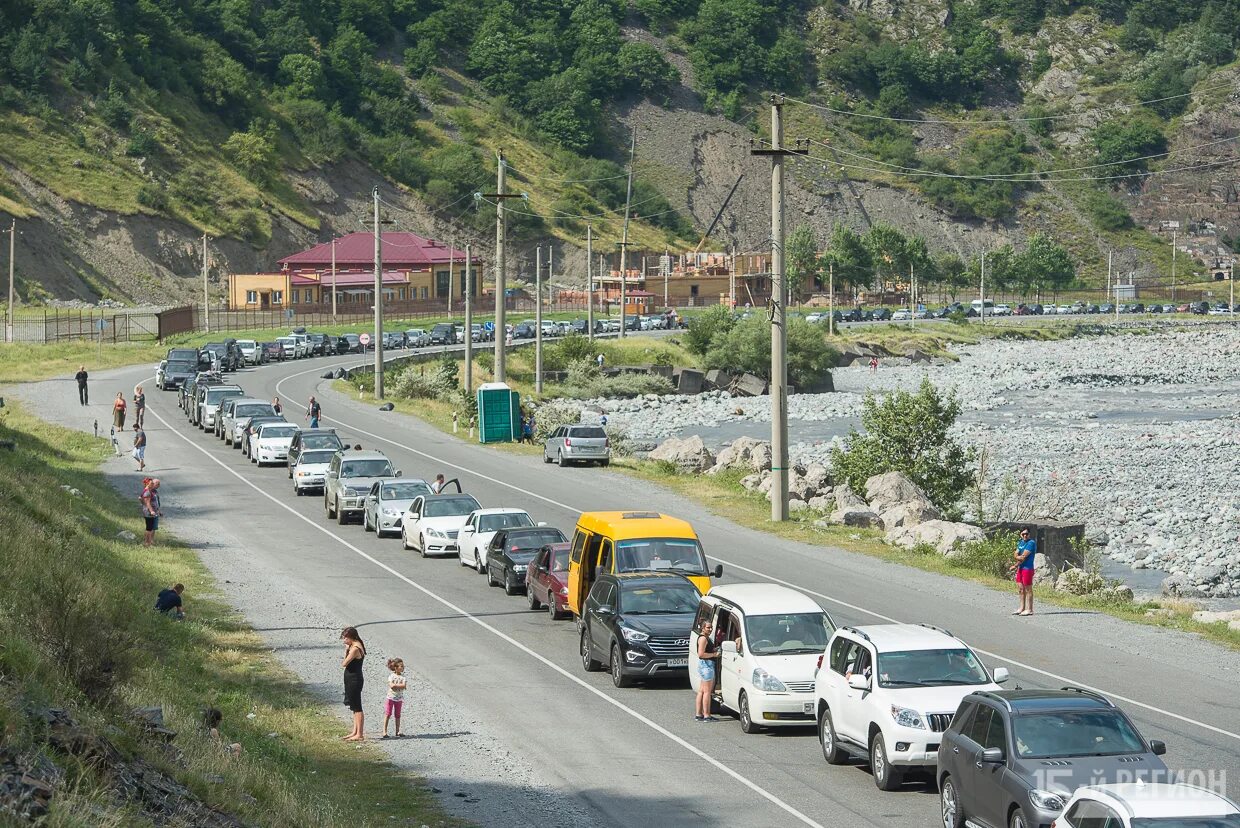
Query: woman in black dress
[{"x": 354, "y": 655}]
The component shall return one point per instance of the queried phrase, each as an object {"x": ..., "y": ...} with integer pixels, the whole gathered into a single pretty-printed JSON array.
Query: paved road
[{"x": 635, "y": 756}]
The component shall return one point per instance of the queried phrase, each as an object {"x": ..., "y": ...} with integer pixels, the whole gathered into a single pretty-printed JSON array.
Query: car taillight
[
  {"x": 606, "y": 442},
  {"x": 568, "y": 441}
]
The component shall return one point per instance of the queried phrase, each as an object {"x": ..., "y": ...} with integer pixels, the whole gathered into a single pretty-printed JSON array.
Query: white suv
[
  {"x": 887, "y": 692},
  {"x": 1130, "y": 804},
  {"x": 770, "y": 638}
]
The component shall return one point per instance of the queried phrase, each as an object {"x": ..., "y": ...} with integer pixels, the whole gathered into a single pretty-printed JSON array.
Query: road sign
[
  {"x": 364, "y": 339},
  {"x": 101, "y": 324},
  {"x": 490, "y": 326},
  {"x": 288, "y": 314}
]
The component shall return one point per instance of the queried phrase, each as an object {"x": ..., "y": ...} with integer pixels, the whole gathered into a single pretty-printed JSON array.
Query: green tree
[
  {"x": 1045, "y": 264},
  {"x": 746, "y": 346},
  {"x": 1121, "y": 141},
  {"x": 909, "y": 433},
  {"x": 704, "y": 328},
  {"x": 888, "y": 248},
  {"x": 644, "y": 70},
  {"x": 254, "y": 153},
  {"x": 849, "y": 259},
  {"x": 801, "y": 260}
]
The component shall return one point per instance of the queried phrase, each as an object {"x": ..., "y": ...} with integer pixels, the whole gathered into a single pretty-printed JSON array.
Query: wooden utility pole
[
  {"x": 624, "y": 239},
  {"x": 378, "y": 301},
  {"x": 451, "y": 265},
  {"x": 1174, "y": 239},
  {"x": 333, "y": 280},
  {"x": 538, "y": 333},
  {"x": 206, "y": 300},
  {"x": 590, "y": 281},
  {"x": 831, "y": 298},
  {"x": 469, "y": 327},
  {"x": 10, "y": 330},
  {"x": 500, "y": 264}
]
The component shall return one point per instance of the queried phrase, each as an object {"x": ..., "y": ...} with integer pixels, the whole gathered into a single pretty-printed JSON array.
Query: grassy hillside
[{"x": 77, "y": 634}]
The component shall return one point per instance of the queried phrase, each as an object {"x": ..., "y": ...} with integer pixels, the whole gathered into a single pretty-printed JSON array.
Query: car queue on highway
[{"x": 912, "y": 701}]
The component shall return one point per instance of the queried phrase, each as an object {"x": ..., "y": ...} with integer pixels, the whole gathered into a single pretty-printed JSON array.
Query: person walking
[
  {"x": 395, "y": 695},
  {"x": 354, "y": 655},
  {"x": 1026, "y": 552},
  {"x": 151, "y": 511},
  {"x": 873, "y": 365},
  {"x": 139, "y": 406},
  {"x": 600, "y": 360},
  {"x": 313, "y": 412},
  {"x": 707, "y": 654},
  {"x": 83, "y": 394},
  {"x": 275, "y": 404},
  {"x": 139, "y": 446},
  {"x": 118, "y": 410}
]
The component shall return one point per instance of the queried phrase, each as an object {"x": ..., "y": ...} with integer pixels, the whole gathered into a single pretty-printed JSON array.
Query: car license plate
[
  {"x": 808, "y": 707},
  {"x": 678, "y": 662},
  {"x": 450, "y": 547}
]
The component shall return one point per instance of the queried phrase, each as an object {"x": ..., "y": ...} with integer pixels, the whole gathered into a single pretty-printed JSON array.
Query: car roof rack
[
  {"x": 857, "y": 633},
  {"x": 947, "y": 633},
  {"x": 1091, "y": 693},
  {"x": 994, "y": 697}
]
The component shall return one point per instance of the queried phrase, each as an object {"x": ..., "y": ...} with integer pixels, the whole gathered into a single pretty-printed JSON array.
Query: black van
[{"x": 443, "y": 334}]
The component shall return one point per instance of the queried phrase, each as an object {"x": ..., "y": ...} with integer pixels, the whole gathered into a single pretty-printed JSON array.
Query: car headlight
[
  {"x": 564, "y": 591},
  {"x": 765, "y": 681},
  {"x": 907, "y": 718},
  {"x": 391, "y": 512},
  {"x": 633, "y": 635},
  {"x": 1046, "y": 800},
  {"x": 435, "y": 533},
  {"x": 518, "y": 567},
  {"x": 303, "y": 474}
]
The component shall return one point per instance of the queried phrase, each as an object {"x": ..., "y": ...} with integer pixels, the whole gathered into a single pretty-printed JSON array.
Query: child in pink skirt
[{"x": 395, "y": 695}]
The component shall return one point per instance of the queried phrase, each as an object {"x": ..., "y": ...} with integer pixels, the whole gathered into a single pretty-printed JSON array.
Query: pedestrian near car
[
  {"x": 275, "y": 406},
  {"x": 139, "y": 446},
  {"x": 169, "y": 602},
  {"x": 354, "y": 656},
  {"x": 118, "y": 410},
  {"x": 313, "y": 412},
  {"x": 707, "y": 654},
  {"x": 139, "y": 406},
  {"x": 395, "y": 694},
  {"x": 437, "y": 484},
  {"x": 83, "y": 394},
  {"x": 151, "y": 510},
  {"x": 1026, "y": 552}
]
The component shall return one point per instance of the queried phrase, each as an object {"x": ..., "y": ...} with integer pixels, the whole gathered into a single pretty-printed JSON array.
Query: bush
[
  {"x": 153, "y": 196},
  {"x": 141, "y": 144},
  {"x": 585, "y": 381},
  {"x": 992, "y": 556},
  {"x": 704, "y": 328},
  {"x": 1107, "y": 212},
  {"x": 747, "y": 347},
  {"x": 551, "y": 415},
  {"x": 909, "y": 433}
]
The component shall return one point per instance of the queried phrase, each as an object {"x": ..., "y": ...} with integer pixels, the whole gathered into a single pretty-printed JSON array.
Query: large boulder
[
  {"x": 822, "y": 503},
  {"x": 945, "y": 536},
  {"x": 860, "y": 517},
  {"x": 909, "y": 514},
  {"x": 749, "y": 385},
  {"x": 883, "y": 491},
  {"x": 818, "y": 477},
  {"x": 719, "y": 379},
  {"x": 690, "y": 455},
  {"x": 846, "y": 498},
  {"x": 1079, "y": 582},
  {"x": 749, "y": 481},
  {"x": 743, "y": 453},
  {"x": 688, "y": 380},
  {"x": 799, "y": 486}
]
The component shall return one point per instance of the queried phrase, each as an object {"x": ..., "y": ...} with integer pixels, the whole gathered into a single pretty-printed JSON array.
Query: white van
[
  {"x": 771, "y": 638},
  {"x": 976, "y": 304}
]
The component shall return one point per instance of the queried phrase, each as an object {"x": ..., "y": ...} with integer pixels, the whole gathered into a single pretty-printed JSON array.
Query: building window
[
  {"x": 443, "y": 279},
  {"x": 251, "y": 297},
  {"x": 693, "y": 290},
  {"x": 402, "y": 294},
  {"x": 277, "y": 297},
  {"x": 309, "y": 295},
  {"x": 293, "y": 295},
  {"x": 425, "y": 291}
]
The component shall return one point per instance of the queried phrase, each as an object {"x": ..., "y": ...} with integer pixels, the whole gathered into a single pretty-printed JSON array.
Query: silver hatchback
[{"x": 577, "y": 444}]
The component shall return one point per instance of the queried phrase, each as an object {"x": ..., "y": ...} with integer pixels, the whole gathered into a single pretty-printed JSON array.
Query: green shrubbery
[
  {"x": 992, "y": 556},
  {"x": 585, "y": 381},
  {"x": 745, "y": 345}
]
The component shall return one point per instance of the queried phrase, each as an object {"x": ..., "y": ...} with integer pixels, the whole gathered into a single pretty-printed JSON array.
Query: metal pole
[
  {"x": 538, "y": 320},
  {"x": 334, "y": 281},
  {"x": 469, "y": 328},
  {"x": 378, "y": 302},
  {"x": 590, "y": 281},
  {"x": 10, "y": 326},
  {"x": 912, "y": 297},
  {"x": 983, "y": 287},
  {"x": 451, "y": 265},
  {"x": 831, "y": 298},
  {"x": 1110, "y": 255},
  {"x": 1173, "y": 246},
  {"x": 779, "y": 344},
  {"x": 500, "y": 287},
  {"x": 624, "y": 241},
  {"x": 206, "y": 301}
]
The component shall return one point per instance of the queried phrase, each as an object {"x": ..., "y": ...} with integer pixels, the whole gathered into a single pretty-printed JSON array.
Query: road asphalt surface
[{"x": 505, "y": 723}]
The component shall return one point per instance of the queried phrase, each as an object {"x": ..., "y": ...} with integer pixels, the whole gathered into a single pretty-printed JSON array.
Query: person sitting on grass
[
  {"x": 169, "y": 602},
  {"x": 211, "y": 719}
]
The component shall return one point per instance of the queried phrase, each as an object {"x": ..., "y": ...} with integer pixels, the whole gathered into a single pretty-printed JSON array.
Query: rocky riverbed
[{"x": 1138, "y": 436}]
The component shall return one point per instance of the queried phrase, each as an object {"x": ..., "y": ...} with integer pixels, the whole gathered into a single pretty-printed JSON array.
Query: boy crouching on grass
[{"x": 395, "y": 695}]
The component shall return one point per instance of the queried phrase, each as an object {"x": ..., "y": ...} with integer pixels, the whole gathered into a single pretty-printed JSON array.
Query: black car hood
[
  {"x": 673, "y": 624},
  {"x": 1063, "y": 776}
]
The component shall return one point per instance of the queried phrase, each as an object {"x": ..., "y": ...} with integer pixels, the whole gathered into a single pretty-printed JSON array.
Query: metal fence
[
  {"x": 315, "y": 315},
  {"x": 64, "y": 324}
]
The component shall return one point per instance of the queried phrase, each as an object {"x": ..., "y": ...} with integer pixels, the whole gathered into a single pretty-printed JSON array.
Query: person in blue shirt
[{"x": 1026, "y": 552}]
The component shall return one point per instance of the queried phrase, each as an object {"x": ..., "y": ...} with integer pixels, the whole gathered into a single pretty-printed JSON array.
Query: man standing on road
[
  {"x": 313, "y": 412},
  {"x": 139, "y": 446},
  {"x": 437, "y": 484},
  {"x": 151, "y": 510},
  {"x": 1026, "y": 551},
  {"x": 83, "y": 395}
]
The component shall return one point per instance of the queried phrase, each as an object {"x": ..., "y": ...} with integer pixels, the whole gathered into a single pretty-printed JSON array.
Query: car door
[
  {"x": 537, "y": 575},
  {"x": 408, "y": 523},
  {"x": 465, "y": 539},
  {"x": 975, "y": 778},
  {"x": 852, "y": 717},
  {"x": 731, "y": 665},
  {"x": 992, "y": 797},
  {"x": 372, "y": 504},
  {"x": 604, "y": 616},
  {"x": 495, "y": 558},
  {"x": 705, "y": 613}
]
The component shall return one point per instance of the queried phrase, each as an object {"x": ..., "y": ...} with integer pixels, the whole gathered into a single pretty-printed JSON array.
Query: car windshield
[
  {"x": 246, "y": 343},
  {"x": 532, "y": 541},
  {"x": 215, "y": 395},
  {"x": 511, "y": 520},
  {"x": 403, "y": 491},
  {"x": 663, "y": 600},
  {"x": 180, "y": 366},
  {"x": 677, "y": 554},
  {"x": 253, "y": 410},
  {"x": 366, "y": 468},
  {"x": 315, "y": 441},
  {"x": 787, "y": 634},
  {"x": 450, "y": 506},
  {"x": 592, "y": 432},
  {"x": 1063, "y": 733},
  {"x": 930, "y": 668},
  {"x": 316, "y": 457},
  {"x": 1221, "y": 821},
  {"x": 278, "y": 431}
]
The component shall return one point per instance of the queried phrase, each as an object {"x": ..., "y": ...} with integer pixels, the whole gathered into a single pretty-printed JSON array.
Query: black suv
[
  {"x": 638, "y": 625},
  {"x": 512, "y": 551},
  {"x": 1012, "y": 758},
  {"x": 443, "y": 334}
]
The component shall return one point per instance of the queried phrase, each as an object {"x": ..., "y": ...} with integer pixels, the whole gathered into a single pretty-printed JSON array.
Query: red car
[{"x": 546, "y": 580}]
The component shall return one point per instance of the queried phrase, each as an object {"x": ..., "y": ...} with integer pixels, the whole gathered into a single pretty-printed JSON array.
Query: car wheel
[
  {"x": 481, "y": 570},
  {"x": 886, "y": 777},
  {"x": 747, "y": 724},
  {"x": 560, "y": 458},
  {"x": 422, "y": 545},
  {"x": 546, "y": 459},
  {"x": 510, "y": 587},
  {"x": 327, "y": 507},
  {"x": 1017, "y": 819},
  {"x": 297, "y": 490},
  {"x": 404, "y": 539},
  {"x": 605, "y": 463},
  {"x": 533, "y": 602},
  {"x": 826, "y": 737},
  {"x": 587, "y": 660},
  {"x": 490, "y": 577},
  {"x": 366, "y": 521},
  {"x": 340, "y": 517},
  {"x": 551, "y": 610},
  {"x": 949, "y": 800},
  {"x": 618, "y": 677}
]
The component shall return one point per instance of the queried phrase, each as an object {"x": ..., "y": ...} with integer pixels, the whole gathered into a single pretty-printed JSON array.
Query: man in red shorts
[{"x": 1026, "y": 551}]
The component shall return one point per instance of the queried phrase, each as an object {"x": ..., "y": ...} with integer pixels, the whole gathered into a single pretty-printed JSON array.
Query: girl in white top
[{"x": 395, "y": 695}]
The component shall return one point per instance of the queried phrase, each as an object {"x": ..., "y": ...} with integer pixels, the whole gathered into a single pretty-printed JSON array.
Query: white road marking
[
  {"x": 773, "y": 579},
  {"x": 653, "y": 725}
]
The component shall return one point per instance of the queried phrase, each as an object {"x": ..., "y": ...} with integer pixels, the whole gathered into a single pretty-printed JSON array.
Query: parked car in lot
[
  {"x": 311, "y": 440},
  {"x": 1199, "y": 308},
  {"x": 523, "y": 330},
  {"x": 393, "y": 340},
  {"x": 1002, "y": 310},
  {"x": 638, "y": 625},
  {"x": 289, "y": 346},
  {"x": 886, "y": 693},
  {"x": 309, "y": 470},
  {"x": 1221, "y": 309},
  {"x": 1014, "y": 758},
  {"x": 387, "y": 503},
  {"x": 270, "y": 444},
  {"x": 881, "y": 314},
  {"x": 511, "y": 552},
  {"x": 222, "y": 359},
  {"x": 318, "y": 344},
  {"x": 577, "y": 444},
  {"x": 435, "y": 520},
  {"x": 249, "y": 351},
  {"x": 901, "y": 315},
  {"x": 1152, "y": 805},
  {"x": 546, "y": 580},
  {"x": 349, "y": 477},
  {"x": 174, "y": 373},
  {"x": 443, "y": 334},
  {"x": 770, "y": 639},
  {"x": 480, "y": 527},
  {"x": 1106, "y": 308},
  {"x": 353, "y": 343}
]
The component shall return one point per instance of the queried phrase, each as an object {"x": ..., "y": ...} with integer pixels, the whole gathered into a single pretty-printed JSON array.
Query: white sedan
[
  {"x": 480, "y": 527},
  {"x": 310, "y": 470},
  {"x": 271, "y": 444},
  {"x": 902, "y": 315},
  {"x": 387, "y": 503},
  {"x": 434, "y": 520}
]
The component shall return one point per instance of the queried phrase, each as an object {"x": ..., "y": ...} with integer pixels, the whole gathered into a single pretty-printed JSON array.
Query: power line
[
  {"x": 584, "y": 217},
  {"x": 524, "y": 174}
]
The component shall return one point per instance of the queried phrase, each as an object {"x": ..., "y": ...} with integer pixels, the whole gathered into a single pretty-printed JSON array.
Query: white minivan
[
  {"x": 770, "y": 638},
  {"x": 976, "y": 305}
]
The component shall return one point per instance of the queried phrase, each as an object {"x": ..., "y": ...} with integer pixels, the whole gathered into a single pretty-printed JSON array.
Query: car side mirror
[
  {"x": 717, "y": 571},
  {"x": 414, "y": 515},
  {"x": 1158, "y": 747},
  {"x": 859, "y": 681},
  {"x": 400, "y": 473},
  {"x": 993, "y": 756},
  {"x": 467, "y": 529},
  {"x": 606, "y": 610},
  {"x": 1001, "y": 675},
  {"x": 727, "y": 647},
  {"x": 332, "y": 475}
]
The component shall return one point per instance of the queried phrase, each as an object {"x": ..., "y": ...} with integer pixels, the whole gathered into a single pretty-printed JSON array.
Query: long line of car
[{"x": 912, "y": 701}]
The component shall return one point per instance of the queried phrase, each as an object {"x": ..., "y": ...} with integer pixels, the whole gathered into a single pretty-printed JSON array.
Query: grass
[{"x": 77, "y": 632}]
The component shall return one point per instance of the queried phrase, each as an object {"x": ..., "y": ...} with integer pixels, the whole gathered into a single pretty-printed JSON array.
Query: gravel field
[{"x": 1136, "y": 435}]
